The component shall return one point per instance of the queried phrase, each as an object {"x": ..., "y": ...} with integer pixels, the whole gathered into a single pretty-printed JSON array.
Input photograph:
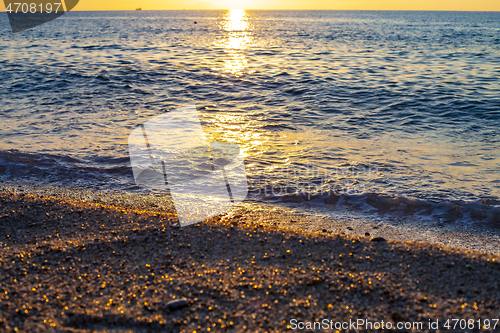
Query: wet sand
[
  {"x": 73, "y": 266},
  {"x": 483, "y": 237}
]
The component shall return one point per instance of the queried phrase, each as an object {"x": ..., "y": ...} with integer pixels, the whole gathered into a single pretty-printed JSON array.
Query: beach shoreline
[
  {"x": 74, "y": 266},
  {"x": 310, "y": 216}
]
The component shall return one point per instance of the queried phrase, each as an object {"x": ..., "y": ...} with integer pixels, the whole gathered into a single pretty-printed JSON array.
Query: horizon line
[{"x": 356, "y": 10}]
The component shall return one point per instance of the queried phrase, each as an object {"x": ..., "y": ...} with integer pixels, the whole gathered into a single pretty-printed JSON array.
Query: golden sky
[{"x": 481, "y": 5}]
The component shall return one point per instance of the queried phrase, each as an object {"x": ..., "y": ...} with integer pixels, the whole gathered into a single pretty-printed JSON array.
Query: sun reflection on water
[
  {"x": 236, "y": 37},
  {"x": 234, "y": 128}
]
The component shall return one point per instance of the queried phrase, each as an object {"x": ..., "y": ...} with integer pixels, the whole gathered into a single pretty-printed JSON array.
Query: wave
[
  {"x": 110, "y": 173},
  {"x": 485, "y": 211},
  {"x": 103, "y": 173}
]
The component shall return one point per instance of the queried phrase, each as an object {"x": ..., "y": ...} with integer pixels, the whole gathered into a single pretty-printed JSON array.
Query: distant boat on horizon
[{"x": 138, "y": 9}]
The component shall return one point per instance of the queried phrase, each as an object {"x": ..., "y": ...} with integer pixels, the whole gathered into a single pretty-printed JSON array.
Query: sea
[{"x": 384, "y": 113}]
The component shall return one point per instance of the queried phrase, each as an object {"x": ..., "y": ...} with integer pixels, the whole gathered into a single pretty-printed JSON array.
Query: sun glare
[
  {"x": 236, "y": 38},
  {"x": 235, "y": 20}
]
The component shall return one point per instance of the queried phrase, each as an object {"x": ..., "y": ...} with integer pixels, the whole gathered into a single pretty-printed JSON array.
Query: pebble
[
  {"x": 379, "y": 239},
  {"x": 176, "y": 304}
]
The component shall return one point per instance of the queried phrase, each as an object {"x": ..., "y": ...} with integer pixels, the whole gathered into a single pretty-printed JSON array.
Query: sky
[{"x": 474, "y": 5}]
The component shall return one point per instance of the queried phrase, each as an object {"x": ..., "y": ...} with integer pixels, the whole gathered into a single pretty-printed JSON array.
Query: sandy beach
[{"x": 73, "y": 266}]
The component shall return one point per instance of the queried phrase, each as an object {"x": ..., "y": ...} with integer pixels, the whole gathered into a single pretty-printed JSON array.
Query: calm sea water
[{"x": 398, "y": 107}]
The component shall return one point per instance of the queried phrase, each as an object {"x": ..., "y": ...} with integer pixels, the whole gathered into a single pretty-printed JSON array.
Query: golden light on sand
[{"x": 236, "y": 37}]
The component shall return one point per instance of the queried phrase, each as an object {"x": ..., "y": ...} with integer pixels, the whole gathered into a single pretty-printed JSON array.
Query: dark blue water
[{"x": 388, "y": 105}]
